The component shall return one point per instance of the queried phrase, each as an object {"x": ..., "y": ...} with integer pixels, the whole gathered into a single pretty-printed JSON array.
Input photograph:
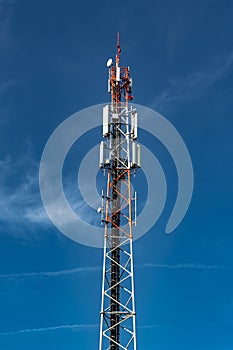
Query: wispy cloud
[
  {"x": 182, "y": 266},
  {"x": 19, "y": 192},
  {"x": 8, "y": 2},
  {"x": 86, "y": 327},
  {"x": 84, "y": 269},
  {"x": 20, "y": 199},
  {"x": 5, "y": 85},
  {"x": 73, "y": 327},
  {"x": 87, "y": 269},
  {"x": 194, "y": 84},
  {"x": 7, "y": 8},
  {"x": 151, "y": 326},
  {"x": 21, "y": 205}
]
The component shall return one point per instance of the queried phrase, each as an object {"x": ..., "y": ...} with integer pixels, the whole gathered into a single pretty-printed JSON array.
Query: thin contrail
[
  {"x": 53, "y": 328},
  {"x": 74, "y": 327},
  {"x": 52, "y": 273},
  {"x": 151, "y": 326},
  {"x": 181, "y": 266},
  {"x": 86, "y": 269}
]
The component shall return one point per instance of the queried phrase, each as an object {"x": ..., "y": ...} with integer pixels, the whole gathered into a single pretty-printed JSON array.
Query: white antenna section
[
  {"x": 106, "y": 121},
  {"x": 134, "y": 125},
  {"x": 109, "y": 77},
  {"x": 135, "y": 208},
  {"x": 102, "y": 153},
  {"x": 109, "y": 86},
  {"x": 136, "y": 155},
  {"x": 118, "y": 74},
  {"x": 102, "y": 208}
]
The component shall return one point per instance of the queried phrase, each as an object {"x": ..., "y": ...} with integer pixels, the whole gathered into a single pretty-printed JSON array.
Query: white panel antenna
[
  {"x": 134, "y": 125},
  {"x": 105, "y": 121}
]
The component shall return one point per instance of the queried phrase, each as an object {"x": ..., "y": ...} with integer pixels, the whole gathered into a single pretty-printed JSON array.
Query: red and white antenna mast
[
  {"x": 119, "y": 81},
  {"x": 119, "y": 157}
]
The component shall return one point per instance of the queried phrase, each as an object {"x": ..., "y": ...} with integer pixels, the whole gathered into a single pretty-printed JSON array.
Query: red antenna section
[
  {"x": 118, "y": 49},
  {"x": 118, "y": 40},
  {"x": 120, "y": 83}
]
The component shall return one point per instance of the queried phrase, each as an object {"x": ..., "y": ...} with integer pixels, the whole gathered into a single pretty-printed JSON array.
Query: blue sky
[{"x": 52, "y": 57}]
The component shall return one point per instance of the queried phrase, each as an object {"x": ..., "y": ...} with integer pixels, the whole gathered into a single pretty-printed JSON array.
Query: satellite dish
[{"x": 109, "y": 62}]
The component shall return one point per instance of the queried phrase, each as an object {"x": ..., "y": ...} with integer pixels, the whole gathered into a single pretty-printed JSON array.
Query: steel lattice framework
[{"x": 119, "y": 157}]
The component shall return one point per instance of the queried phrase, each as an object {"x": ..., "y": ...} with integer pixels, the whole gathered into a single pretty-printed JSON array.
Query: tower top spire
[
  {"x": 118, "y": 49},
  {"x": 119, "y": 81}
]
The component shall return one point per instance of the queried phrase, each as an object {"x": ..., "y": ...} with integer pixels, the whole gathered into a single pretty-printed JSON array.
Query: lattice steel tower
[{"x": 119, "y": 158}]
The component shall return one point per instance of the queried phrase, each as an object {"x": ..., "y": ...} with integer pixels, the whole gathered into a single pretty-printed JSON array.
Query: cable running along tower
[{"x": 119, "y": 159}]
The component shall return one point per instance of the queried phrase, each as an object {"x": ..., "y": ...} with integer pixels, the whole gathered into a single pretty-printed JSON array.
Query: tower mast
[{"x": 119, "y": 157}]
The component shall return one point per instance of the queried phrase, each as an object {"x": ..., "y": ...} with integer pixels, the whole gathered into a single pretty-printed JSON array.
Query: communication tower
[{"x": 119, "y": 159}]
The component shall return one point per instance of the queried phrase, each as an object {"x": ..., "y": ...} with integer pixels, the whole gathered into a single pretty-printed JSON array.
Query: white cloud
[
  {"x": 87, "y": 269},
  {"x": 84, "y": 269},
  {"x": 21, "y": 206},
  {"x": 73, "y": 327},
  {"x": 151, "y": 326},
  {"x": 7, "y": 8},
  {"x": 19, "y": 195},
  {"x": 5, "y": 85},
  {"x": 181, "y": 266},
  {"x": 194, "y": 84},
  {"x": 8, "y": 2}
]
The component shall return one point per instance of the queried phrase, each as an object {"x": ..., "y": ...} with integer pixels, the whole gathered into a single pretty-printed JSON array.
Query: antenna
[
  {"x": 119, "y": 158},
  {"x": 118, "y": 49},
  {"x": 119, "y": 81}
]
